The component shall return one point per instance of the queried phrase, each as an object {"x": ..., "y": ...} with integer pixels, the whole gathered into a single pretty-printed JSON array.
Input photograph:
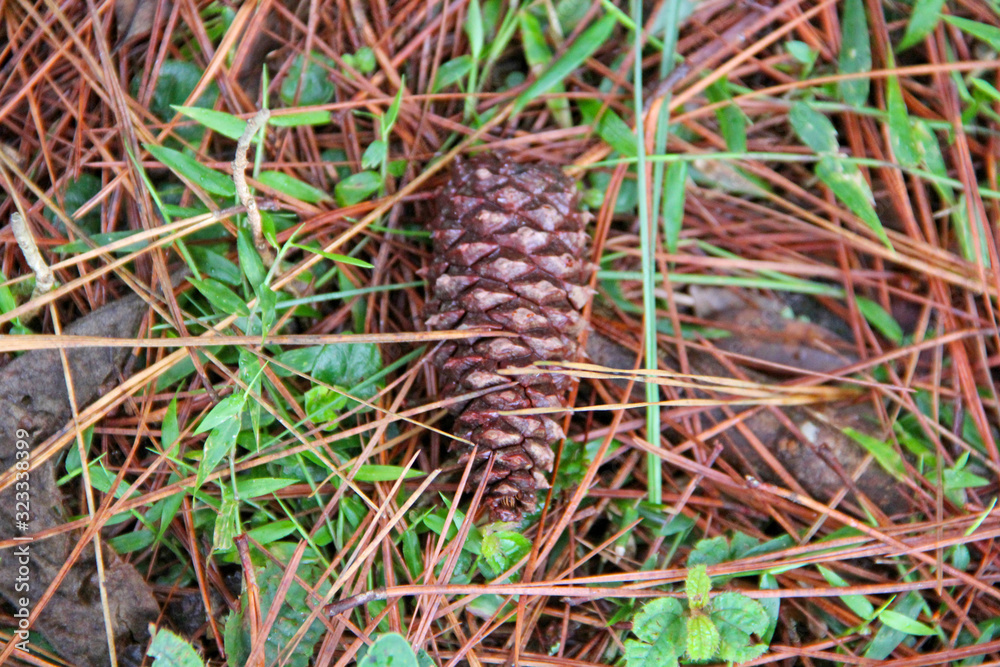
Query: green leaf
[
  {"x": 374, "y": 155},
  {"x": 392, "y": 113},
  {"x": 254, "y": 488},
  {"x": 504, "y": 548},
  {"x": 334, "y": 257},
  {"x": 905, "y": 624},
  {"x": 901, "y": 139},
  {"x": 697, "y": 586},
  {"x": 987, "y": 33},
  {"x": 292, "y": 186},
  {"x": 357, "y": 188},
  {"x": 226, "y": 409},
  {"x": 737, "y": 617},
  {"x": 169, "y": 650},
  {"x": 77, "y": 193},
  {"x": 661, "y": 616},
  {"x": 176, "y": 80},
  {"x": 193, "y": 171},
  {"x": 224, "y": 123},
  {"x": 639, "y": 654},
  {"x": 855, "y": 53},
  {"x": 610, "y": 127},
  {"x": 880, "y": 319},
  {"x": 856, "y": 603},
  {"x": 923, "y": 19},
  {"x": 702, "y": 638},
  {"x": 371, "y": 472},
  {"x": 582, "y": 48},
  {"x": 215, "y": 265},
  {"x": 316, "y": 87},
  {"x": 850, "y": 187},
  {"x": 887, "y": 638},
  {"x": 169, "y": 429},
  {"x": 814, "y": 129},
  {"x": 709, "y": 552},
  {"x": 301, "y": 118},
  {"x": 883, "y": 452},
  {"x": 732, "y": 120},
  {"x": 345, "y": 364},
  {"x": 389, "y": 650},
  {"x": 250, "y": 262},
  {"x": 226, "y": 524},
  {"x": 137, "y": 540},
  {"x": 219, "y": 444},
  {"x": 452, "y": 72},
  {"x": 474, "y": 29},
  {"x": 223, "y": 299},
  {"x": 674, "y": 194}
]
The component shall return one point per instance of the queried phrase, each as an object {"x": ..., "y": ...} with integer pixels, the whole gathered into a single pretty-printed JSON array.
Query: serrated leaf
[
  {"x": 169, "y": 650},
  {"x": 905, "y": 624},
  {"x": 224, "y": 123},
  {"x": 702, "y": 638},
  {"x": 452, "y": 72},
  {"x": 850, "y": 187},
  {"x": 923, "y": 19},
  {"x": 292, "y": 186},
  {"x": 193, "y": 171},
  {"x": 221, "y": 297},
  {"x": 301, "y": 118},
  {"x": 880, "y": 319},
  {"x": 582, "y": 48},
  {"x": 697, "y": 586},
  {"x": 640, "y": 654},
  {"x": 662, "y": 616},
  {"x": 357, "y": 188},
  {"x": 709, "y": 552},
  {"x": 814, "y": 129},
  {"x": 883, "y": 452},
  {"x": 737, "y": 617},
  {"x": 855, "y": 53},
  {"x": 389, "y": 650}
]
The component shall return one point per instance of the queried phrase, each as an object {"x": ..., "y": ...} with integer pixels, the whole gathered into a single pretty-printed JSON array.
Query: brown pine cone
[{"x": 509, "y": 255}]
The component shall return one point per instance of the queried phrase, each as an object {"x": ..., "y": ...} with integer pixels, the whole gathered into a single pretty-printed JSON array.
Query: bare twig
[
  {"x": 45, "y": 280},
  {"x": 243, "y": 191}
]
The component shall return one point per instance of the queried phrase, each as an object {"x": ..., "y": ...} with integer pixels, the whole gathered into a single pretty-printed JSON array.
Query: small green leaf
[
  {"x": 392, "y": 113},
  {"x": 364, "y": 60},
  {"x": 737, "y": 617},
  {"x": 474, "y": 29},
  {"x": 225, "y": 524},
  {"x": 880, "y": 319},
  {"x": 371, "y": 472},
  {"x": 610, "y": 127},
  {"x": 900, "y": 131},
  {"x": 452, "y": 72},
  {"x": 169, "y": 650},
  {"x": 254, "y": 488},
  {"x": 697, "y": 586},
  {"x": 883, "y": 452},
  {"x": 850, "y": 187},
  {"x": 389, "y": 650},
  {"x": 300, "y": 118},
  {"x": 702, "y": 638},
  {"x": 225, "y": 410},
  {"x": 504, "y": 548},
  {"x": 987, "y": 33},
  {"x": 923, "y": 19},
  {"x": 250, "y": 262},
  {"x": 334, "y": 257},
  {"x": 357, "y": 188},
  {"x": 374, "y": 155},
  {"x": 215, "y": 265},
  {"x": 224, "y": 123},
  {"x": 855, "y": 53},
  {"x": 710, "y": 551},
  {"x": 658, "y": 617},
  {"x": 856, "y": 603},
  {"x": 169, "y": 429},
  {"x": 292, "y": 186},
  {"x": 316, "y": 87},
  {"x": 193, "y": 171},
  {"x": 814, "y": 129},
  {"x": 221, "y": 297},
  {"x": 905, "y": 624},
  {"x": 219, "y": 444},
  {"x": 732, "y": 120},
  {"x": 674, "y": 194},
  {"x": 582, "y": 48}
]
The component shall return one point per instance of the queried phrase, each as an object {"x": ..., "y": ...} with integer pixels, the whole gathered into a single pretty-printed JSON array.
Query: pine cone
[{"x": 509, "y": 255}]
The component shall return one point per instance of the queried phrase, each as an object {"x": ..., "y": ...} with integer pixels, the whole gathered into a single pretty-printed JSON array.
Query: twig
[
  {"x": 45, "y": 280},
  {"x": 243, "y": 191}
]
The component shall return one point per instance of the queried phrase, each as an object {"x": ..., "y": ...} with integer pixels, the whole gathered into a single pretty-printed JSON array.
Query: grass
[{"x": 286, "y": 447}]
